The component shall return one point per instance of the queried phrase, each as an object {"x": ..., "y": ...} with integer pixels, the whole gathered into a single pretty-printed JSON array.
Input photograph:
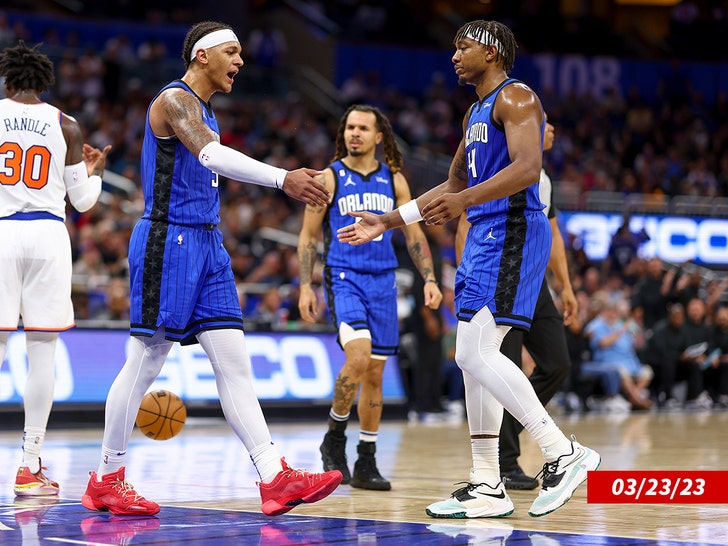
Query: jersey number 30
[{"x": 31, "y": 167}]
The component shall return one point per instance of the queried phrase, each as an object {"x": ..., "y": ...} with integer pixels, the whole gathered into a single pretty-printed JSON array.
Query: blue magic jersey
[
  {"x": 177, "y": 188},
  {"x": 507, "y": 246},
  {"x": 486, "y": 153},
  {"x": 179, "y": 270},
  {"x": 356, "y": 192}
]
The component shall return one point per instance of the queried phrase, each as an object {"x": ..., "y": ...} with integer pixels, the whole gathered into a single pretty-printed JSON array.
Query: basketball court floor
[{"x": 205, "y": 483}]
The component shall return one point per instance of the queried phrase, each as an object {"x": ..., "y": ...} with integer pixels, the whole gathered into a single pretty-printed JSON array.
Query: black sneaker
[
  {"x": 333, "y": 455},
  {"x": 517, "y": 479},
  {"x": 366, "y": 474}
]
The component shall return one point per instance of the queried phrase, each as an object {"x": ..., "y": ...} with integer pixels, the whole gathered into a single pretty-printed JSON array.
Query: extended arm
[
  {"x": 177, "y": 112},
  {"x": 313, "y": 218}
]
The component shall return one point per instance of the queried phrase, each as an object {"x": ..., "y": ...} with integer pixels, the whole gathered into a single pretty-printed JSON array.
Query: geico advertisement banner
[
  {"x": 675, "y": 239},
  {"x": 286, "y": 367}
]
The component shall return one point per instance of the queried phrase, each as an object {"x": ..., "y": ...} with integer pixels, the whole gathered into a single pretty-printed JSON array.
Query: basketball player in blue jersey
[
  {"x": 182, "y": 284},
  {"x": 359, "y": 282},
  {"x": 494, "y": 175},
  {"x": 545, "y": 340}
]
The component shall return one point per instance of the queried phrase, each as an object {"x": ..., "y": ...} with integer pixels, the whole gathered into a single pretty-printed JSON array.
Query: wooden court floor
[{"x": 204, "y": 479}]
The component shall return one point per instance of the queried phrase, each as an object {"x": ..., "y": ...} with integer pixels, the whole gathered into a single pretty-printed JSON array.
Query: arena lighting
[{"x": 662, "y": 3}]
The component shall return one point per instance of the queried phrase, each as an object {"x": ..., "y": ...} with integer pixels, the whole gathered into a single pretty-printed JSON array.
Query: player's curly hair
[
  {"x": 392, "y": 154},
  {"x": 499, "y": 31},
  {"x": 26, "y": 68},
  {"x": 195, "y": 33}
]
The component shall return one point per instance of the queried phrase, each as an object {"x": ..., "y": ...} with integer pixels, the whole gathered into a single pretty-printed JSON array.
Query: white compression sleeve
[
  {"x": 83, "y": 190},
  {"x": 234, "y": 379},
  {"x": 238, "y": 166}
]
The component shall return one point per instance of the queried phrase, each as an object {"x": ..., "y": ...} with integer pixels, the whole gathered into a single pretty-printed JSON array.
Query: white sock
[
  {"x": 486, "y": 468},
  {"x": 32, "y": 442},
  {"x": 111, "y": 461},
  {"x": 550, "y": 439},
  {"x": 336, "y": 417},
  {"x": 366, "y": 436},
  {"x": 267, "y": 461}
]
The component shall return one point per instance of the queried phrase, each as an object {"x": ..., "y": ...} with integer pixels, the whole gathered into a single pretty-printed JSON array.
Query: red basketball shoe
[
  {"x": 292, "y": 487},
  {"x": 115, "y": 494},
  {"x": 34, "y": 485}
]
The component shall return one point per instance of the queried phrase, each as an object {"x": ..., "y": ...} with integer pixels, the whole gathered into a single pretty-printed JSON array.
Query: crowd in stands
[{"x": 677, "y": 145}]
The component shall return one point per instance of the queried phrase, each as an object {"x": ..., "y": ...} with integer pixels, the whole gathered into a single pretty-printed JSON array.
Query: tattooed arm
[
  {"x": 176, "y": 112},
  {"x": 313, "y": 218},
  {"x": 418, "y": 247}
]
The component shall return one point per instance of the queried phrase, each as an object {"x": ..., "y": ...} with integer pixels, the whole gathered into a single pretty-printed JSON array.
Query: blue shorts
[
  {"x": 503, "y": 267},
  {"x": 365, "y": 301},
  {"x": 181, "y": 279}
]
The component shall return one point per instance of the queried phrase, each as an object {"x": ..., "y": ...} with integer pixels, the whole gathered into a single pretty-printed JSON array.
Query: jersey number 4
[
  {"x": 32, "y": 166},
  {"x": 471, "y": 164}
]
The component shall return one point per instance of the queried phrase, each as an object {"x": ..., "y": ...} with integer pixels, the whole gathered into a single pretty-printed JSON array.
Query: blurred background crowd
[{"x": 111, "y": 58}]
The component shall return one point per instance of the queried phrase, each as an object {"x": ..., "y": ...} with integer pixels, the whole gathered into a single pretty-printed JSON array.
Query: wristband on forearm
[{"x": 410, "y": 212}]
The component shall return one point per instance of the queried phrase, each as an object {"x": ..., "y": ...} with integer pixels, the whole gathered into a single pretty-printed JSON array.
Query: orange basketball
[{"x": 162, "y": 415}]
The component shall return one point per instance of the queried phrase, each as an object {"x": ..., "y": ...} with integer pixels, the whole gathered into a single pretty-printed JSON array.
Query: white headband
[
  {"x": 484, "y": 37},
  {"x": 213, "y": 39}
]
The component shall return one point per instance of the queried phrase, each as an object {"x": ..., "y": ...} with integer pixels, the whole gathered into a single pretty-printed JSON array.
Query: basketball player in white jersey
[{"x": 42, "y": 159}]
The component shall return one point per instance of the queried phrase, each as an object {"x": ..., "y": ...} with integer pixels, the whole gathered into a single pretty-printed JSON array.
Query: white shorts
[{"x": 35, "y": 275}]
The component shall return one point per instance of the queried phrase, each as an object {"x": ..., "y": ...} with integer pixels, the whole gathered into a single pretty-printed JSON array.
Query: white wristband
[
  {"x": 410, "y": 212},
  {"x": 83, "y": 190}
]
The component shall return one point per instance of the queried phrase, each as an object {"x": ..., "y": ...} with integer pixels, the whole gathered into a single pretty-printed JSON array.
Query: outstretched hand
[
  {"x": 301, "y": 185},
  {"x": 368, "y": 227}
]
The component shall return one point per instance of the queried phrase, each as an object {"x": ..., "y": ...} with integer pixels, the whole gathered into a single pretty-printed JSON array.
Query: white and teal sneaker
[
  {"x": 562, "y": 477},
  {"x": 475, "y": 500}
]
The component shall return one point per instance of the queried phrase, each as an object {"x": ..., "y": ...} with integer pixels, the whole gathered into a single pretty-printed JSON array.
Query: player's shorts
[
  {"x": 503, "y": 267},
  {"x": 35, "y": 275},
  {"x": 365, "y": 301},
  {"x": 180, "y": 278}
]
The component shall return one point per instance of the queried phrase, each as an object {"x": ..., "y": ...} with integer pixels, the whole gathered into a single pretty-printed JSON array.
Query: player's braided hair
[
  {"x": 392, "y": 154},
  {"x": 26, "y": 68},
  {"x": 499, "y": 31},
  {"x": 195, "y": 33}
]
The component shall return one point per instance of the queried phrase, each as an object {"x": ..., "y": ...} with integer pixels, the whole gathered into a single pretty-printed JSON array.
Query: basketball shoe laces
[
  {"x": 464, "y": 492},
  {"x": 126, "y": 490},
  {"x": 548, "y": 473},
  {"x": 42, "y": 477}
]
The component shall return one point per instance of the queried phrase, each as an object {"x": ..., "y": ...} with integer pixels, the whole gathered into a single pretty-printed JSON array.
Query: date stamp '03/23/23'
[{"x": 657, "y": 487}]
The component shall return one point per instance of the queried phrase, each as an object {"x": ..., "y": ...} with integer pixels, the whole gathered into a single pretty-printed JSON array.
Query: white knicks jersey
[{"x": 32, "y": 159}]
